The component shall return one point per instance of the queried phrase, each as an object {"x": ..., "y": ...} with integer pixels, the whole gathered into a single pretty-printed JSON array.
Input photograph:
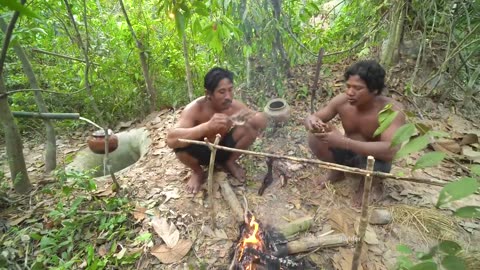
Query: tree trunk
[
  {"x": 390, "y": 51},
  {"x": 278, "y": 44},
  {"x": 50, "y": 149},
  {"x": 143, "y": 60},
  {"x": 13, "y": 143},
  {"x": 187, "y": 67}
]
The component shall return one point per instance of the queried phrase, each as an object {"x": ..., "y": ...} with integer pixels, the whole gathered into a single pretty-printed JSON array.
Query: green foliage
[
  {"x": 73, "y": 231},
  {"x": 385, "y": 119},
  {"x": 457, "y": 190},
  {"x": 429, "y": 160}
]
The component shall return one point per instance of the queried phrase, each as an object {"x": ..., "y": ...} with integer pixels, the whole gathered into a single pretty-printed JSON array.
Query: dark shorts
[
  {"x": 351, "y": 159},
  {"x": 202, "y": 152}
]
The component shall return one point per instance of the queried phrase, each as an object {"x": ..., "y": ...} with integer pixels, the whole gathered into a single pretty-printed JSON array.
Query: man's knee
[{"x": 259, "y": 121}]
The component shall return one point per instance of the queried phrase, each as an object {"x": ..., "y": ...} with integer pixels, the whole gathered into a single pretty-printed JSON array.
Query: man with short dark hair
[
  {"x": 214, "y": 114},
  {"x": 358, "y": 110}
]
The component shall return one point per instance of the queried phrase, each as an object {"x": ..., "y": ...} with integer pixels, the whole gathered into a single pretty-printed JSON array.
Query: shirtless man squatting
[
  {"x": 358, "y": 110},
  {"x": 210, "y": 115}
]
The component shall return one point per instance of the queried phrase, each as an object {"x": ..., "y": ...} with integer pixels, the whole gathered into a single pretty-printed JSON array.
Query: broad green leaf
[
  {"x": 449, "y": 247},
  {"x": 403, "y": 134},
  {"x": 451, "y": 262},
  {"x": 422, "y": 128},
  {"x": 180, "y": 22},
  {"x": 424, "y": 266},
  {"x": 404, "y": 249},
  {"x": 457, "y": 190},
  {"x": 427, "y": 256},
  {"x": 15, "y": 5},
  {"x": 468, "y": 212},
  {"x": 475, "y": 169},
  {"x": 414, "y": 145},
  {"x": 385, "y": 123},
  {"x": 429, "y": 160}
]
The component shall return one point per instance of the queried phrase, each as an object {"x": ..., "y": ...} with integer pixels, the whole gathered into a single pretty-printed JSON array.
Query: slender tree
[
  {"x": 143, "y": 60},
  {"x": 51, "y": 148},
  {"x": 187, "y": 66},
  {"x": 390, "y": 51},
  {"x": 13, "y": 141}
]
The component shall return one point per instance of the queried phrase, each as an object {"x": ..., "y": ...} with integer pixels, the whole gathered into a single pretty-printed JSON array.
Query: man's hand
[
  {"x": 315, "y": 124},
  {"x": 333, "y": 138},
  {"x": 219, "y": 123}
]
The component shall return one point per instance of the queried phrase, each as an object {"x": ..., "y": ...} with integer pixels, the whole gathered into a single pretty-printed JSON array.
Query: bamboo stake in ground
[
  {"x": 364, "y": 218},
  {"x": 323, "y": 164},
  {"x": 210, "y": 176}
]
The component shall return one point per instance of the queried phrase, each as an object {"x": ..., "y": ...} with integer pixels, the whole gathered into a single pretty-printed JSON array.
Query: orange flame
[{"x": 252, "y": 240}]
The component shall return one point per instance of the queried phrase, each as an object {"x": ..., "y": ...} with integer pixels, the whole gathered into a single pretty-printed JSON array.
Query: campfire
[{"x": 261, "y": 248}]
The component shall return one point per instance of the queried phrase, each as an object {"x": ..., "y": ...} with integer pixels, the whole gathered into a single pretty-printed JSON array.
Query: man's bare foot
[
  {"x": 332, "y": 177},
  {"x": 195, "y": 182},
  {"x": 236, "y": 170}
]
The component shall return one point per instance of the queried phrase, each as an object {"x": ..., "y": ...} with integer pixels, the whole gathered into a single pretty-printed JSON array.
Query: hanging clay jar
[
  {"x": 278, "y": 110},
  {"x": 96, "y": 142}
]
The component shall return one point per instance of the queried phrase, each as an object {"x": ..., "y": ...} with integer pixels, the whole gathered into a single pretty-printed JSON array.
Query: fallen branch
[
  {"x": 364, "y": 217},
  {"x": 324, "y": 164},
  {"x": 311, "y": 243},
  {"x": 231, "y": 198}
]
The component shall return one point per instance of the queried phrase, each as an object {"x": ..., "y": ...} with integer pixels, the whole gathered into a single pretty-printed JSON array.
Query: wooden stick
[
  {"x": 298, "y": 225},
  {"x": 231, "y": 199},
  {"x": 311, "y": 243},
  {"x": 210, "y": 177},
  {"x": 364, "y": 218},
  {"x": 324, "y": 164},
  {"x": 315, "y": 81}
]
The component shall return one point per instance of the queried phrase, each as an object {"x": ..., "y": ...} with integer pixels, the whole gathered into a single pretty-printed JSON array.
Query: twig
[
  {"x": 106, "y": 165},
  {"x": 364, "y": 217},
  {"x": 232, "y": 264},
  {"x": 213, "y": 153},
  {"x": 27, "y": 90},
  {"x": 36, "y": 50},
  {"x": 324, "y": 164}
]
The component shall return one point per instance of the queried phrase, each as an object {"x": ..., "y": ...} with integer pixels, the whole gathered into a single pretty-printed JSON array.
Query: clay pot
[
  {"x": 96, "y": 142},
  {"x": 278, "y": 110}
]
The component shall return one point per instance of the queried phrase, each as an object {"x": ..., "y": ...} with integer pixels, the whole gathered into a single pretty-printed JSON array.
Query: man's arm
[
  {"x": 185, "y": 129},
  {"x": 328, "y": 112},
  {"x": 381, "y": 149}
]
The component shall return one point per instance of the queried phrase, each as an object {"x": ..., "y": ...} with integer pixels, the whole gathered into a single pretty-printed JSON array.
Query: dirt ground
[{"x": 157, "y": 184}]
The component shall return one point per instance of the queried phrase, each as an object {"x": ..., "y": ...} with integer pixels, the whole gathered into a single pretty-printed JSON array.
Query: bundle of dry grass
[
  {"x": 471, "y": 258},
  {"x": 427, "y": 221}
]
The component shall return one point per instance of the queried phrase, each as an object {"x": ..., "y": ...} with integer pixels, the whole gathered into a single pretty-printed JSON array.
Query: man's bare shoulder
[
  {"x": 338, "y": 101},
  {"x": 397, "y": 106},
  {"x": 195, "y": 106}
]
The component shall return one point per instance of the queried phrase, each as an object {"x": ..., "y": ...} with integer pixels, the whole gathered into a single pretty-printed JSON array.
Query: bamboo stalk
[
  {"x": 311, "y": 243},
  {"x": 324, "y": 164},
  {"x": 210, "y": 176},
  {"x": 364, "y": 218},
  {"x": 298, "y": 225}
]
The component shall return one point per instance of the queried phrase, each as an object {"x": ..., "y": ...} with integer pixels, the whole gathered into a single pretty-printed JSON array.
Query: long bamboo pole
[
  {"x": 213, "y": 153},
  {"x": 364, "y": 217},
  {"x": 324, "y": 164}
]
